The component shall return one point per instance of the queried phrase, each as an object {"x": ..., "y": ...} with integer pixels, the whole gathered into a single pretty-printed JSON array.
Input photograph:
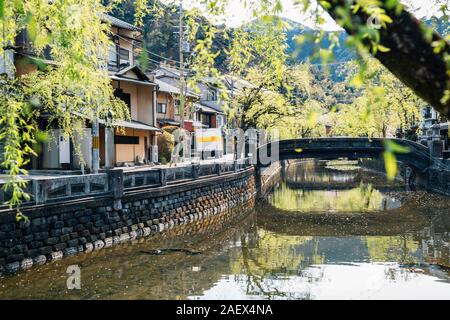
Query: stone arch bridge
[{"x": 417, "y": 160}]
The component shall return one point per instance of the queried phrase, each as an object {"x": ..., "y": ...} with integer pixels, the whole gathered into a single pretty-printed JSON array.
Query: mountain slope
[{"x": 162, "y": 42}]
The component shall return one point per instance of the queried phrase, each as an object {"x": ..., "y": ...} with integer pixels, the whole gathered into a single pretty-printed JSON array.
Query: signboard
[{"x": 208, "y": 140}]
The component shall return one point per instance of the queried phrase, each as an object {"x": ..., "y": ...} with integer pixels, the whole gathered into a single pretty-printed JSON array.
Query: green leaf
[
  {"x": 278, "y": 6},
  {"x": 143, "y": 57},
  {"x": 42, "y": 136},
  {"x": 325, "y": 4},
  {"x": 390, "y": 163},
  {"x": 393, "y": 147},
  {"x": 32, "y": 28},
  {"x": 2, "y": 8},
  {"x": 385, "y": 18},
  {"x": 389, "y": 4},
  {"x": 357, "y": 81},
  {"x": 312, "y": 118},
  {"x": 383, "y": 48}
]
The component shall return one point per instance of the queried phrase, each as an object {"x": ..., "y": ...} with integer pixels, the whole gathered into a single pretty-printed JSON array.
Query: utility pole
[
  {"x": 181, "y": 58},
  {"x": 95, "y": 143},
  {"x": 182, "y": 78}
]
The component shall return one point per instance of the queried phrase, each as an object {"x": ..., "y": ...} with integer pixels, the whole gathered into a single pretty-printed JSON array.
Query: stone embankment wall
[
  {"x": 268, "y": 176},
  {"x": 436, "y": 178},
  {"x": 439, "y": 179},
  {"x": 78, "y": 226}
]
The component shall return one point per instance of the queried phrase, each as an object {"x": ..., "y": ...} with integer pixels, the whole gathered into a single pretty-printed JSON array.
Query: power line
[{"x": 150, "y": 52}]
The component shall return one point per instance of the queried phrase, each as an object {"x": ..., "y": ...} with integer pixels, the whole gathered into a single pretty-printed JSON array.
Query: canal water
[{"x": 328, "y": 230}]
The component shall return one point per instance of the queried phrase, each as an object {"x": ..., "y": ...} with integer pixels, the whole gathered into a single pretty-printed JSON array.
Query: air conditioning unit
[{"x": 154, "y": 153}]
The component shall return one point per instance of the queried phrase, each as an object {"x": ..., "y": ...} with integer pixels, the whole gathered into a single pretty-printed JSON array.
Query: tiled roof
[
  {"x": 168, "y": 121},
  {"x": 165, "y": 87},
  {"x": 216, "y": 106},
  {"x": 120, "y": 23},
  {"x": 171, "y": 86}
]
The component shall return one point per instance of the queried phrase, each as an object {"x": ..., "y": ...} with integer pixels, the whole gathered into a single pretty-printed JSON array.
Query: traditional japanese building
[{"x": 135, "y": 141}]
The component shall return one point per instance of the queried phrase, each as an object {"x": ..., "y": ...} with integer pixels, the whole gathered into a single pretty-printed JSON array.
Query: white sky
[{"x": 237, "y": 13}]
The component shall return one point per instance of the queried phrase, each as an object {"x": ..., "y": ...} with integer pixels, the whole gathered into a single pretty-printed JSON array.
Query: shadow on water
[{"x": 328, "y": 230}]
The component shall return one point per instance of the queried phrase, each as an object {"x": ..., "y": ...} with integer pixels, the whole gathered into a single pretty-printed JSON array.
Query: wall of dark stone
[
  {"x": 436, "y": 178},
  {"x": 268, "y": 176},
  {"x": 439, "y": 180},
  {"x": 80, "y": 226}
]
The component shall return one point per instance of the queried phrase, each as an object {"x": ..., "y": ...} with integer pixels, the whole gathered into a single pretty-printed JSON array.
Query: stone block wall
[
  {"x": 439, "y": 180},
  {"x": 268, "y": 176},
  {"x": 435, "y": 179},
  {"x": 56, "y": 231}
]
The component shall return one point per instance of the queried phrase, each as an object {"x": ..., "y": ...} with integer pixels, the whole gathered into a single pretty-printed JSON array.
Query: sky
[{"x": 237, "y": 13}]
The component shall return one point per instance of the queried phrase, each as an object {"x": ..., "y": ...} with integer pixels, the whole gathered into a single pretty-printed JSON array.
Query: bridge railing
[{"x": 335, "y": 147}]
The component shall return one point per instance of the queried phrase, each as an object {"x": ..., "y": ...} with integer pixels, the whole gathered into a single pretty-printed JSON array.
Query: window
[
  {"x": 220, "y": 121},
  {"x": 124, "y": 54},
  {"x": 161, "y": 108},
  {"x": 427, "y": 112},
  {"x": 126, "y": 139},
  {"x": 212, "y": 95},
  {"x": 205, "y": 119},
  {"x": 125, "y": 97},
  {"x": 177, "y": 107},
  {"x": 112, "y": 59}
]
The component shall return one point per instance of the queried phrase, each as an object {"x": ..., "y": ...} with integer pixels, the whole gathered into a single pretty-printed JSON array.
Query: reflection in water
[
  {"x": 308, "y": 172},
  {"x": 355, "y": 281},
  {"x": 362, "y": 198},
  {"x": 318, "y": 187},
  {"x": 269, "y": 252}
]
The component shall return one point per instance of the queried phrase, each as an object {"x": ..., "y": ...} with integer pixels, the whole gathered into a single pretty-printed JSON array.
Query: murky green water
[{"x": 324, "y": 233}]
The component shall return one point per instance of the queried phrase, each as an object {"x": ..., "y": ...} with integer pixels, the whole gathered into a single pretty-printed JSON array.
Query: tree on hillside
[
  {"x": 413, "y": 52},
  {"x": 384, "y": 106},
  {"x": 292, "y": 108}
]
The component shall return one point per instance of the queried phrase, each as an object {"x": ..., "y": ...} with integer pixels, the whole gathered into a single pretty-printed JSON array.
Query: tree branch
[{"x": 411, "y": 57}]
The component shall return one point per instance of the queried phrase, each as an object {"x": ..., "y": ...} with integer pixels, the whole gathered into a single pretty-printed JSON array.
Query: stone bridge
[
  {"x": 418, "y": 159},
  {"x": 418, "y": 156}
]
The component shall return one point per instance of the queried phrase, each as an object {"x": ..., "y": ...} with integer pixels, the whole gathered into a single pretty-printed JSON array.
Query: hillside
[{"x": 162, "y": 42}]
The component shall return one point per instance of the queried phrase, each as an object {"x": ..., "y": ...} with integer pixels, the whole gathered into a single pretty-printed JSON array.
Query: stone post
[
  {"x": 109, "y": 147},
  {"x": 436, "y": 143},
  {"x": 36, "y": 192},
  {"x": 195, "y": 171},
  {"x": 115, "y": 183},
  {"x": 162, "y": 177},
  {"x": 218, "y": 169}
]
